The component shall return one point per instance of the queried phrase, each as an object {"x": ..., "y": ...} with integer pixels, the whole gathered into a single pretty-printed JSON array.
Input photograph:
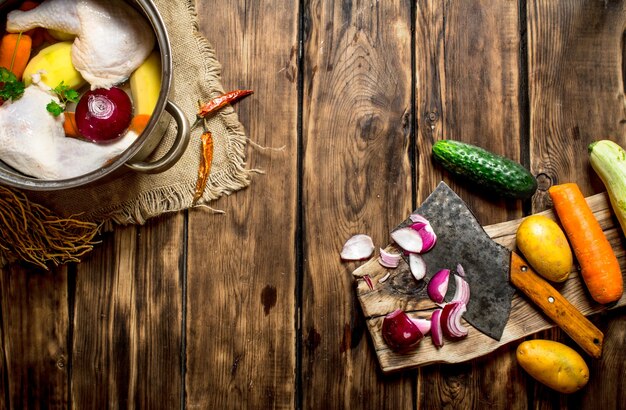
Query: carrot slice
[
  {"x": 139, "y": 123},
  {"x": 15, "y": 53},
  {"x": 69, "y": 125},
  {"x": 599, "y": 266}
]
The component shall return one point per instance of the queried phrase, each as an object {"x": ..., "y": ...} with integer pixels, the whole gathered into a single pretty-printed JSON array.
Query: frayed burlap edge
[{"x": 174, "y": 198}]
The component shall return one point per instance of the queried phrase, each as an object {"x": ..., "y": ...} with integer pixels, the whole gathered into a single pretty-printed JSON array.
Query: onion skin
[{"x": 400, "y": 332}]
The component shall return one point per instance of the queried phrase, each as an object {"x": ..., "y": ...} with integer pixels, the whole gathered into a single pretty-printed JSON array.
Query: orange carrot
[
  {"x": 599, "y": 266},
  {"x": 139, "y": 123},
  {"x": 28, "y": 5},
  {"x": 69, "y": 125},
  {"x": 15, "y": 53}
]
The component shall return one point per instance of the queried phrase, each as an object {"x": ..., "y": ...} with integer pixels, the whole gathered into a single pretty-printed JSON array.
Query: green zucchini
[
  {"x": 609, "y": 161},
  {"x": 494, "y": 173}
]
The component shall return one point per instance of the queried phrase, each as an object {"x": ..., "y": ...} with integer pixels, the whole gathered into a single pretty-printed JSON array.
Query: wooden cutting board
[{"x": 400, "y": 290}]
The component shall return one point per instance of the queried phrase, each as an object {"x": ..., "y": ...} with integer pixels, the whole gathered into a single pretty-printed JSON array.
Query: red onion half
[
  {"x": 400, "y": 333},
  {"x": 104, "y": 115}
]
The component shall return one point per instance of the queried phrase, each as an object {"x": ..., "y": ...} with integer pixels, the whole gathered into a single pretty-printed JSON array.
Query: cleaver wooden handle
[{"x": 556, "y": 307}]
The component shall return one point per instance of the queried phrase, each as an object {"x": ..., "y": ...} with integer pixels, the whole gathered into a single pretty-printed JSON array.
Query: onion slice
[
  {"x": 358, "y": 247},
  {"x": 417, "y": 265},
  {"x": 438, "y": 285},
  {"x": 400, "y": 333},
  {"x": 429, "y": 238},
  {"x": 408, "y": 239},
  {"x": 389, "y": 260},
  {"x": 435, "y": 328},
  {"x": 422, "y": 324},
  {"x": 460, "y": 270},
  {"x": 462, "y": 291},
  {"x": 451, "y": 320}
]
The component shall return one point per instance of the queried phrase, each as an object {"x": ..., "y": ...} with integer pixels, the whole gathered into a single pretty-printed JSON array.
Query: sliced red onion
[
  {"x": 408, "y": 239},
  {"x": 400, "y": 333},
  {"x": 419, "y": 225},
  {"x": 417, "y": 218},
  {"x": 368, "y": 280},
  {"x": 417, "y": 265},
  {"x": 459, "y": 270},
  {"x": 422, "y": 324},
  {"x": 389, "y": 260},
  {"x": 357, "y": 248},
  {"x": 429, "y": 238},
  {"x": 451, "y": 320},
  {"x": 435, "y": 328},
  {"x": 462, "y": 291},
  {"x": 438, "y": 285}
]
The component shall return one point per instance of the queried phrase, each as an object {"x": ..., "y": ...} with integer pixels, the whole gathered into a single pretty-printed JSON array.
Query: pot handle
[{"x": 176, "y": 151}]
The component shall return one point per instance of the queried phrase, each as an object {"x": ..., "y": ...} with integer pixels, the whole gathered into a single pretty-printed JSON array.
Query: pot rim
[{"x": 19, "y": 180}]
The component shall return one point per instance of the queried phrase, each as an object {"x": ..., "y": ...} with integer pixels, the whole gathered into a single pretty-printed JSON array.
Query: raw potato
[
  {"x": 554, "y": 364},
  {"x": 55, "y": 62},
  {"x": 145, "y": 84},
  {"x": 545, "y": 247}
]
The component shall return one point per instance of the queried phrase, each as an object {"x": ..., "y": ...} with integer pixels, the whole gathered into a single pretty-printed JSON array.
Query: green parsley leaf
[
  {"x": 54, "y": 108},
  {"x": 10, "y": 87},
  {"x": 71, "y": 95},
  {"x": 66, "y": 95}
]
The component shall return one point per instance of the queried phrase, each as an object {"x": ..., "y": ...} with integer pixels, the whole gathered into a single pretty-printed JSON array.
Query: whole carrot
[
  {"x": 15, "y": 52},
  {"x": 599, "y": 266}
]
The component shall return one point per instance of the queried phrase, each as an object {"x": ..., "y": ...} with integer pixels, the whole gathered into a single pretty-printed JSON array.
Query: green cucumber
[
  {"x": 609, "y": 161},
  {"x": 494, "y": 173}
]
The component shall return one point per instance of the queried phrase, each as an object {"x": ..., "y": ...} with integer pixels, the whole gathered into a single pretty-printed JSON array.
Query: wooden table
[{"x": 254, "y": 309}]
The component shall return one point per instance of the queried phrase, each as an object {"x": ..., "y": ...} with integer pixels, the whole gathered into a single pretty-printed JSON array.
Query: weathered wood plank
[
  {"x": 575, "y": 57},
  {"x": 356, "y": 179},
  {"x": 468, "y": 89},
  {"x": 241, "y": 306},
  {"x": 128, "y": 319},
  {"x": 35, "y": 320}
]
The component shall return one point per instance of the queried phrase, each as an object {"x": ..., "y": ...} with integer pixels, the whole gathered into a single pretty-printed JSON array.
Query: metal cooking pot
[{"x": 133, "y": 158}]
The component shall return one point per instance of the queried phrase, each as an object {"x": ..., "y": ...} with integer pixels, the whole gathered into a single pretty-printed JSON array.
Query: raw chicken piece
[
  {"x": 33, "y": 142},
  {"x": 112, "y": 38}
]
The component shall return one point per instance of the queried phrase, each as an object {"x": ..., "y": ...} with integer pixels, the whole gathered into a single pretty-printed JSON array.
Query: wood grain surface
[{"x": 253, "y": 308}]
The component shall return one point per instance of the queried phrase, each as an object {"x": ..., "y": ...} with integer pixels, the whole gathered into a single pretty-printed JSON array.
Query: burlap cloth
[{"x": 133, "y": 198}]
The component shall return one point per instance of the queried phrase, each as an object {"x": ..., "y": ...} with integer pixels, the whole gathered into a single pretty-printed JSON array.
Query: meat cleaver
[{"x": 490, "y": 270}]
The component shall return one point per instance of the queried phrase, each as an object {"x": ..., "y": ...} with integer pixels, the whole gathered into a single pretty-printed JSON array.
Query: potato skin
[
  {"x": 545, "y": 247},
  {"x": 554, "y": 364}
]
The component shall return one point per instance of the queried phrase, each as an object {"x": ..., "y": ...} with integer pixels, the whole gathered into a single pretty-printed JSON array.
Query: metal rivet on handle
[
  {"x": 551, "y": 299},
  {"x": 524, "y": 268}
]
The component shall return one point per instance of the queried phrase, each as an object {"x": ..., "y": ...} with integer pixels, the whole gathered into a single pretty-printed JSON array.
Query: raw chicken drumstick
[{"x": 112, "y": 38}]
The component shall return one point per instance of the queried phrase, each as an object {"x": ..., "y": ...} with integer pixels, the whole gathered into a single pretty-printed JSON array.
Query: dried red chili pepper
[
  {"x": 222, "y": 100},
  {"x": 205, "y": 165}
]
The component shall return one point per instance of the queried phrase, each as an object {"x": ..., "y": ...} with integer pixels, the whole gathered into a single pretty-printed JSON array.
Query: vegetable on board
[
  {"x": 599, "y": 266},
  {"x": 15, "y": 52},
  {"x": 485, "y": 169},
  {"x": 608, "y": 159}
]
